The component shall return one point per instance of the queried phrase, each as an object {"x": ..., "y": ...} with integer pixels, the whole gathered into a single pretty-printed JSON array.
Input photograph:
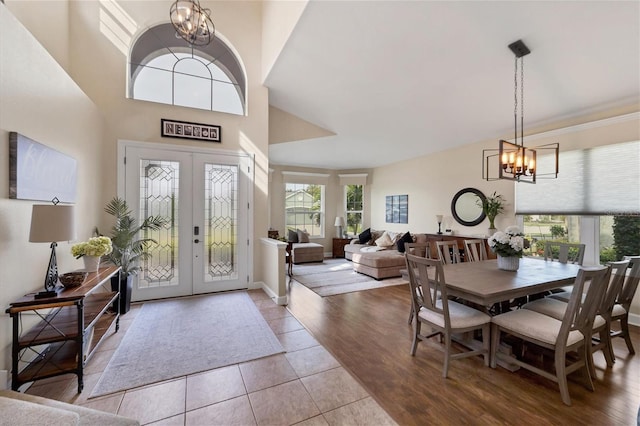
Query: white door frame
[{"x": 123, "y": 143}]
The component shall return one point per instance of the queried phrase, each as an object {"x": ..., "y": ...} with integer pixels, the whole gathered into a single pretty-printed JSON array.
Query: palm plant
[{"x": 128, "y": 248}]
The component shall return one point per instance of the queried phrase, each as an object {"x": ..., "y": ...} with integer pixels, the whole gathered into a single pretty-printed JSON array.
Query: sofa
[
  {"x": 379, "y": 256},
  {"x": 22, "y": 409}
]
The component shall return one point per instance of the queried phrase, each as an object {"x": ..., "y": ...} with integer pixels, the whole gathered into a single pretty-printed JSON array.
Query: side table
[{"x": 338, "y": 246}]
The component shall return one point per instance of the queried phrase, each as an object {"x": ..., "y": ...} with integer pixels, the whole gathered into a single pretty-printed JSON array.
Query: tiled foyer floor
[{"x": 304, "y": 386}]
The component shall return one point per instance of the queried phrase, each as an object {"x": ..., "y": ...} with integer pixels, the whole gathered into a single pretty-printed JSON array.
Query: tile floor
[{"x": 304, "y": 386}]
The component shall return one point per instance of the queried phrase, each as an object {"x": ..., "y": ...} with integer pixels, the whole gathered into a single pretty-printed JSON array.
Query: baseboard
[
  {"x": 634, "y": 319},
  {"x": 282, "y": 301}
]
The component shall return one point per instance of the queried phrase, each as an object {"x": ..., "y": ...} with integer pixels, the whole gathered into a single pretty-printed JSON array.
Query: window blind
[{"x": 601, "y": 181}]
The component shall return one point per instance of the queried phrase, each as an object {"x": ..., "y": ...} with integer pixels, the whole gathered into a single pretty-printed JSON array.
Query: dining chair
[
  {"x": 564, "y": 252},
  {"x": 448, "y": 251},
  {"x": 621, "y": 308},
  {"x": 475, "y": 250},
  {"x": 444, "y": 317},
  {"x": 562, "y": 337},
  {"x": 602, "y": 321},
  {"x": 417, "y": 249}
]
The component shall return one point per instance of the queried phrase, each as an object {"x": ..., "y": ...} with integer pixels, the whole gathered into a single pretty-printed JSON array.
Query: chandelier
[
  {"x": 192, "y": 22},
  {"x": 516, "y": 161}
]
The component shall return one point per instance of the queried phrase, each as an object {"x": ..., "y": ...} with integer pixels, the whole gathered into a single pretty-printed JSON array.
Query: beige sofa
[
  {"x": 376, "y": 262},
  {"x": 307, "y": 252},
  {"x": 22, "y": 409}
]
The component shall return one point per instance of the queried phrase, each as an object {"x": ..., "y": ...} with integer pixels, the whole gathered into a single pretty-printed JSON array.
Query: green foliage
[
  {"x": 626, "y": 234},
  {"x": 557, "y": 231},
  {"x": 492, "y": 206},
  {"x": 608, "y": 254},
  {"x": 128, "y": 249}
]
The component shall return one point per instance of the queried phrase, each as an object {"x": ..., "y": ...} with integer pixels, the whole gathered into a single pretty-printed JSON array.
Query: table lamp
[
  {"x": 339, "y": 223},
  {"x": 439, "y": 218},
  {"x": 50, "y": 224}
]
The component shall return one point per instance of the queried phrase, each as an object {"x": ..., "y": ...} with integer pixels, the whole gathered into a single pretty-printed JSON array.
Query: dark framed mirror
[{"x": 466, "y": 207}]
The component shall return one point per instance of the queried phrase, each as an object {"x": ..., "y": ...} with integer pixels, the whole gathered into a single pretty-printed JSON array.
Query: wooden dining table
[{"x": 484, "y": 284}]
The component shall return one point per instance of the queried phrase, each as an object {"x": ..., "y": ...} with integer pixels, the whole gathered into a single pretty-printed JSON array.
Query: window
[
  {"x": 354, "y": 204},
  {"x": 304, "y": 208},
  {"x": 541, "y": 228},
  {"x": 619, "y": 237},
  {"x": 167, "y": 70}
]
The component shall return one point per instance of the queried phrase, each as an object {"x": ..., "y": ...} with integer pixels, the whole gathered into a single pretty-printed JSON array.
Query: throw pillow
[
  {"x": 303, "y": 236},
  {"x": 292, "y": 236},
  {"x": 406, "y": 238},
  {"x": 364, "y": 236},
  {"x": 375, "y": 235},
  {"x": 384, "y": 241}
]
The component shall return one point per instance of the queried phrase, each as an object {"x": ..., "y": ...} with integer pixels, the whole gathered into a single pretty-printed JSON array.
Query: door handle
[{"x": 196, "y": 241}]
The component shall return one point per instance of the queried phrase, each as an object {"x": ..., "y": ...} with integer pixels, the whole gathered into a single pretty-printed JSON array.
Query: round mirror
[{"x": 466, "y": 207}]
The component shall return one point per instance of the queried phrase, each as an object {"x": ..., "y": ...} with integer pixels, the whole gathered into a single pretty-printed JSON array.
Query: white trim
[
  {"x": 354, "y": 175},
  {"x": 323, "y": 175},
  {"x": 282, "y": 301}
]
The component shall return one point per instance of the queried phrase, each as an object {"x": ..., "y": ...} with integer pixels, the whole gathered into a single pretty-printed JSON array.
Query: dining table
[{"x": 484, "y": 284}]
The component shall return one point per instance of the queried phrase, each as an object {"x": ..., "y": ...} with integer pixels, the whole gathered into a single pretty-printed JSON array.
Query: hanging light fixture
[
  {"x": 192, "y": 22},
  {"x": 516, "y": 161}
]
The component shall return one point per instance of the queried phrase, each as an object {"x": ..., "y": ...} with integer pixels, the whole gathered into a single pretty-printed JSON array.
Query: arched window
[{"x": 166, "y": 69}]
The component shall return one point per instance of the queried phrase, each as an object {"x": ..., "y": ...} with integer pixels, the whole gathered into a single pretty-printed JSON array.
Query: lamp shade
[
  {"x": 339, "y": 221},
  {"x": 52, "y": 223}
]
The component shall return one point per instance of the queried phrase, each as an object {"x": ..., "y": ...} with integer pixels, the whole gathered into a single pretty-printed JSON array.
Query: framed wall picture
[
  {"x": 37, "y": 172},
  {"x": 187, "y": 130},
  {"x": 397, "y": 209}
]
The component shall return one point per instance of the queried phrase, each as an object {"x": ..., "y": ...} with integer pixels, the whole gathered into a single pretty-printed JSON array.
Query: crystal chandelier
[
  {"x": 192, "y": 22},
  {"x": 516, "y": 161}
]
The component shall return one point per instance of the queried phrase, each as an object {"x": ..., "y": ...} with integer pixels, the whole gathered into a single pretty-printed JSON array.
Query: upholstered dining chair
[
  {"x": 416, "y": 249},
  {"x": 443, "y": 317},
  {"x": 602, "y": 322},
  {"x": 448, "y": 251},
  {"x": 621, "y": 308},
  {"x": 571, "y": 334},
  {"x": 475, "y": 250}
]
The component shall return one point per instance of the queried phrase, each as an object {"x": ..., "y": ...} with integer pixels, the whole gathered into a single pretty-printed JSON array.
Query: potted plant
[
  {"x": 492, "y": 206},
  {"x": 128, "y": 247}
]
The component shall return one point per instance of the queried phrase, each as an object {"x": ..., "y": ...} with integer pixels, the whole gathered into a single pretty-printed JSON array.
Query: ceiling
[{"x": 399, "y": 79}]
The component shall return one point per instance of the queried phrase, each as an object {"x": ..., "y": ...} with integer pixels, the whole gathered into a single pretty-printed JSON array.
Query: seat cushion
[
  {"x": 618, "y": 310},
  {"x": 535, "y": 325},
  {"x": 380, "y": 259},
  {"x": 549, "y": 306},
  {"x": 461, "y": 316}
]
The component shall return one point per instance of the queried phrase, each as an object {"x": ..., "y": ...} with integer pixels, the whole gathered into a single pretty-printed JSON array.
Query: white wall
[{"x": 40, "y": 101}]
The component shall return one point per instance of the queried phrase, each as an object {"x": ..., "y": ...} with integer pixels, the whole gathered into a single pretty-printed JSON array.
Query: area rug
[
  {"x": 173, "y": 338},
  {"x": 336, "y": 276}
]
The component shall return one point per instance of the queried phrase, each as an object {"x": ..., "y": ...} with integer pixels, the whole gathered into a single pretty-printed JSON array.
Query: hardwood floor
[{"x": 367, "y": 332}]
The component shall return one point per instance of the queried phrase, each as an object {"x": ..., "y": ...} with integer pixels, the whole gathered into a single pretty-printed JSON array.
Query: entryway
[{"x": 205, "y": 196}]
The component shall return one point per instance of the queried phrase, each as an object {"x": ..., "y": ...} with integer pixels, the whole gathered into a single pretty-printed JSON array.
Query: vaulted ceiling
[{"x": 399, "y": 79}]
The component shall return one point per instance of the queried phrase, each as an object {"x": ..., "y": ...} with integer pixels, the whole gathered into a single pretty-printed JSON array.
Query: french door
[{"x": 204, "y": 196}]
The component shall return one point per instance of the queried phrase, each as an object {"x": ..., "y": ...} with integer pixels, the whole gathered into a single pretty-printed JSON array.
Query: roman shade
[
  {"x": 596, "y": 181},
  {"x": 353, "y": 179}
]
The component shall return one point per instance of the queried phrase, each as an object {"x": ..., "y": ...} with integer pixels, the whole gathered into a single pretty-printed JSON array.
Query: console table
[{"x": 72, "y": 325}]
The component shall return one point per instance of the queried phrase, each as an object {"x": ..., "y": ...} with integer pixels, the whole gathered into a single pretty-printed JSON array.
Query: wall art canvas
[
  {"x": 37, "y": 172},
  {"x": 397, "y": 209}
]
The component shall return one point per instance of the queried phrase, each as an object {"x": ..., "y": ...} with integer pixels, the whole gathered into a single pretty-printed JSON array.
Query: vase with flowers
[
  {"x": 508, "y": 245},
  {"x": 492, "y": 206},
  {"x": 91, "y": 251}
]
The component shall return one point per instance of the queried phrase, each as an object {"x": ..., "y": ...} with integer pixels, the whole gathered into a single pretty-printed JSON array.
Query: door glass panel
[
  {"x": 221, "y": 217},
  {"x": 159, "y": 192}
]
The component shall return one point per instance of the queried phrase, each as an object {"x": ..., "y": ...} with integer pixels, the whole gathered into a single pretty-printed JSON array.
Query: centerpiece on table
[
  {"x": 508, "y": 245},
  {"x": 91, "y": 251}
]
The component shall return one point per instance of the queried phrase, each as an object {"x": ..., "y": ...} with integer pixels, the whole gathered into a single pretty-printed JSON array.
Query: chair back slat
[
  {"x": 564, "y": 252},
  {"x": 475, "y": 250},
  {"x": 448, "y": 251},
  {"x": 631, "y": 283},
  {"x": 618, "y": 270},
  {"x": 426, "y": 281},
  {"x": 418, "y": 249},
  {"x": 581, "y": 311}
]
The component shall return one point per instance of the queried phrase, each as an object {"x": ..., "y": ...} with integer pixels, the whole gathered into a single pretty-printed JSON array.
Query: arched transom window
[{"x": 166, "y": 69}]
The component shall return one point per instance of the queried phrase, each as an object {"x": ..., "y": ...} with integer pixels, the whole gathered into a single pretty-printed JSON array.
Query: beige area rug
[
  {"x": 178, "y": 337},
  {"x": 336, "y": 276}
]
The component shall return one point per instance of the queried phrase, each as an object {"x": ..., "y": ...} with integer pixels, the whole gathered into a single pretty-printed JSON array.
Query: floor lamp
[{"x": 50, "y": 224}]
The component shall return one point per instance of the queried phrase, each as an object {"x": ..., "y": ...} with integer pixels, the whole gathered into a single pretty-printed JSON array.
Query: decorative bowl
[{"x": 72, "y": 279}]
